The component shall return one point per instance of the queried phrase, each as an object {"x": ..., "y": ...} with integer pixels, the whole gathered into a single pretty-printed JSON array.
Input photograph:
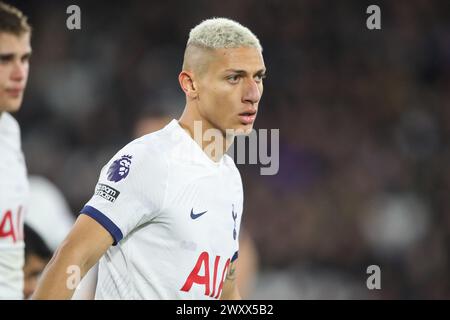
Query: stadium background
[{"x": 364, "y": 119}]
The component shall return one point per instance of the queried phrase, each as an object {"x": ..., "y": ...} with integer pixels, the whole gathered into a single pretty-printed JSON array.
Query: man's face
[
  {"x": 32, "y": 269},
  {"x": 15, "y": 53},
  {"x": 231, "y": 87}
]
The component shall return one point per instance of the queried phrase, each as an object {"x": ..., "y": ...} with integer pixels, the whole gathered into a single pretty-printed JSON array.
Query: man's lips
[
  {"x": 15, "y": 92},
  {"x": 248, "y": 116}
]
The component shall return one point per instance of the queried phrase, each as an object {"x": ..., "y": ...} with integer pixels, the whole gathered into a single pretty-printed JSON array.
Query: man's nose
[
  {"x": 19, "y": 71},
  {"x": 252, "y": 92}
]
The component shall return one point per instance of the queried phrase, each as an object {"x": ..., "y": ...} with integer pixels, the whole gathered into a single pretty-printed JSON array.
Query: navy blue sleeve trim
[
  {"x": 235, "y": 256},
  {"x": 104, "y": 221}
]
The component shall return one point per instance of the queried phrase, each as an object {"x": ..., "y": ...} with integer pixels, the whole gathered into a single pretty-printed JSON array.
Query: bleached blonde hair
[{"x": 218, "y": 33}]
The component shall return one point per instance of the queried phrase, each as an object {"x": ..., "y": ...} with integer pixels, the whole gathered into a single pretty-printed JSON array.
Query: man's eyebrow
[
  {"x": 236, "y": 71},
  {"x": 12, "y": 54},
  {"x": 243, "y": 72}
]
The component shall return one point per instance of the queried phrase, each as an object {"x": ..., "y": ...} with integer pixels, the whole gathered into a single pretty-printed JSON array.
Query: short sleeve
[{"x": 130, "y": 190}]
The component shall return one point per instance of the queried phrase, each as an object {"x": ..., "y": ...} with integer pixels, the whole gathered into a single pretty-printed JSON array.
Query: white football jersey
[
  {"x": 174, "y": 215},
  {"x": 13, "y": 202}
]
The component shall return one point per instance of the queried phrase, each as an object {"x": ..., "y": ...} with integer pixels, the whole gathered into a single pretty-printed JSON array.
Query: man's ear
[{"x": 187, "y": 84}]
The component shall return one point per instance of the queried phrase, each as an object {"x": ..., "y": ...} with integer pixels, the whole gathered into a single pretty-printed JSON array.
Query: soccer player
[
  {"x": 15, "y": 52},
  {"x": 165, "y": 215}
]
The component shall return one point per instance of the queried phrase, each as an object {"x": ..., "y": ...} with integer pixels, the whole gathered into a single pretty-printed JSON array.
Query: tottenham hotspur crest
[
  {"x": 119, "y": 169},
  {"x": 234, "y": 215}
]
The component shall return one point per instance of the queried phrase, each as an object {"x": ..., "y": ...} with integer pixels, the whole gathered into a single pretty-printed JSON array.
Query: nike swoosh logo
[{"x": 196, "y": 215}]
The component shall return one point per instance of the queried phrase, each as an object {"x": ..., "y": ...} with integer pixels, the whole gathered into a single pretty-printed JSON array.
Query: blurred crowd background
[{"x": 364, "y": 119}]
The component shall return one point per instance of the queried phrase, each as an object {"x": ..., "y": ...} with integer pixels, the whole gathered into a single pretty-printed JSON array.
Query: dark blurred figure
[{"x": 37, "y": 255}]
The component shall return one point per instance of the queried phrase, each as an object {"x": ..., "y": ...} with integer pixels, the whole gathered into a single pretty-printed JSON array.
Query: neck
[{"x": 212, "y": 140}]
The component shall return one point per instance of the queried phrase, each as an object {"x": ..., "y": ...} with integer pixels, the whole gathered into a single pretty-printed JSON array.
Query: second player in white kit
[{"x": 15, "y": 50}]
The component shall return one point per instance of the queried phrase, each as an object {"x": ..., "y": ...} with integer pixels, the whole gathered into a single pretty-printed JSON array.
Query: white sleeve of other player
[{"x": 130, "y": 190}]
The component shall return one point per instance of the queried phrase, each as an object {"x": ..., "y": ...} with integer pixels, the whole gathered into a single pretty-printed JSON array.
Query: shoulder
[
  {"x": 8, "y": 118},
  {"x": 9, "y": 128},
  {"x": 158, "y": 144},
  {"x": 9, "y": 123},
  {"x": 142, "y": 157},
  {"x": 139, "y": 155}
]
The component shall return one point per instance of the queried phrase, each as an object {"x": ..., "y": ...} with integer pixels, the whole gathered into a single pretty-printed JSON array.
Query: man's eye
[
  {"x": 5, "y": 59},
  {"x": 260, "y": 77},
  {"x": 234, "y": 79}
]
